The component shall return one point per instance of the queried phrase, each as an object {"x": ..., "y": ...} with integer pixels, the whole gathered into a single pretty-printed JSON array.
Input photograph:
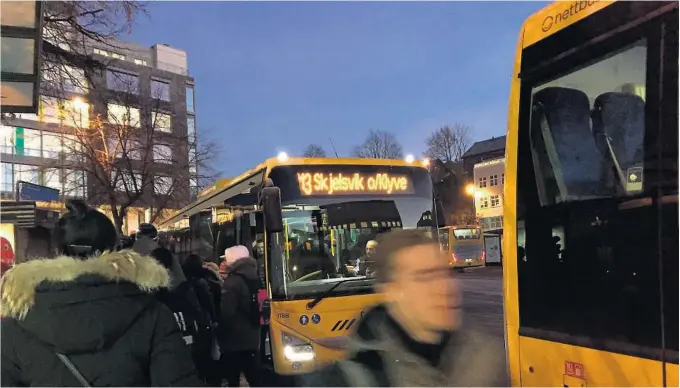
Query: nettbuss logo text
[{"x": 555, "y": 20}]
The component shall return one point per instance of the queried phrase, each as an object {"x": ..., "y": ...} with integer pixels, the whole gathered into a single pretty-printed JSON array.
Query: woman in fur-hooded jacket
[{"x": 88, "y": 318}]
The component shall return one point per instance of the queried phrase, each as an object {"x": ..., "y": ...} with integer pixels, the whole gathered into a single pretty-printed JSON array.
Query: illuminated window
[
  {"x": 482, "y": 182},
  {"x": 51, "y": 145},
  {"x": 161, "y": 122},
  {"x": 162, "y": 185},
  {"x": 123, "y": 115},
  {"x": 484, "y": 203},
  {"x": 49, "y": 110},
  {"x": 6, "y": 139},
  {"x": 493, "y": 180},
  {"x": 160, "y": 90},
  {"x": 162, "y": 153},
  {"x": 140, "y": 62},
  {"x": 31, "y": 144},
  {"x": 76, "y": 113},
  {"x": 26, "y": 173},
  {"x": 6, "y": 177},
  {"x": 495, "y": 201},
  {"x": 118, "y": 56},
  {"x": 122, "y": 82},
  {"x": 101, "y": 52},
  {"x": 51, "y": 177}
]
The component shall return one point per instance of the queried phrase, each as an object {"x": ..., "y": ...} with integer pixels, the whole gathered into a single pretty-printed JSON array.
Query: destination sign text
[{"x": 319, "y": 183}]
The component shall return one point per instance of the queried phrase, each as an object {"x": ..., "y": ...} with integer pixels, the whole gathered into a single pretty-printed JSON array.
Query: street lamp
[{"x": 470, "y": 189}]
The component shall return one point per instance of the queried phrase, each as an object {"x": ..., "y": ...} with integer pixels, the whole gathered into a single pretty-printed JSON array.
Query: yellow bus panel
[
  {"x": 558, "y": 16},
  {"x": 546, "y": 363},
  {"x": 336, "y": 318}
]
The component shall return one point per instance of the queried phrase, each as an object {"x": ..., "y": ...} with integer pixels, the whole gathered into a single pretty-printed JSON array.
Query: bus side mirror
[{"x": 270, "y": 198}]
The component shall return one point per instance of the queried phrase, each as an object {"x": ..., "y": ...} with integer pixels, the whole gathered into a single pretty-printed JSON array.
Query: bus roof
[
  {"x": 556, "y": 17},
  {"x": 211, "y": 195}
]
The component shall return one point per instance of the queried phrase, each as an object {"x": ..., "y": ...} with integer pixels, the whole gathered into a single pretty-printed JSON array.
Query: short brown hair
[{"x": 390, "y": 243}]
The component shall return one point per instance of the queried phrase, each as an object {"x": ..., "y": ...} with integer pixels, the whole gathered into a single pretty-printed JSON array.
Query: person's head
[
  {"x": 193, "y": 265},
  {"x": 234, "y": 254},
  {"x": 83, "y": 231},
  {"x": 417, "y": 282},
  {"x": 147, "y": 230},
  {"x": 164, "y": 257},
  {"x": 371, "y": 246}
]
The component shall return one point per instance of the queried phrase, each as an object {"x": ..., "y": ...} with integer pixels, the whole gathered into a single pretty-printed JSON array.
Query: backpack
[
  {"x": 191, "y": 320},
  {"x": 253, "y": 306}
]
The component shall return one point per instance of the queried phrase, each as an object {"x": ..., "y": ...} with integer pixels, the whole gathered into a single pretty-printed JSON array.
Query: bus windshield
[
  {"x": 467, "y": 234},
  {"x": 325, "y": 243}
]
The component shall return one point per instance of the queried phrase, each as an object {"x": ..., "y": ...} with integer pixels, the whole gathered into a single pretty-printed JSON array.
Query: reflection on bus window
[{"x": 587, "y": 129}]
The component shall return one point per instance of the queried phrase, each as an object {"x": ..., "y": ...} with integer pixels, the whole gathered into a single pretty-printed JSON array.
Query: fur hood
[{"x": 20, "y": 284}]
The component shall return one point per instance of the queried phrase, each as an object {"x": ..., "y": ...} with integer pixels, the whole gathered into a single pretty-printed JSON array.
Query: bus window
[
  {"x": 444, "y": 239},
  {"x": 588, "y": 267},
  {"x": 467, "y": 234}
]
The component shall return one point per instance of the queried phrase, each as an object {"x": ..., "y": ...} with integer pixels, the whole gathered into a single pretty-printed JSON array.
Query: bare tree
[
  {"x": 379, "y": 145},
  {"x": 448, "y": 143},
  {"x": 134, "y": 154},
  {"x": 314, "y": 151}
]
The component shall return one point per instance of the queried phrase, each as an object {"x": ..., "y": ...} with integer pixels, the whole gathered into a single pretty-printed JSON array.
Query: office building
[{"x": 158, "y": 95}]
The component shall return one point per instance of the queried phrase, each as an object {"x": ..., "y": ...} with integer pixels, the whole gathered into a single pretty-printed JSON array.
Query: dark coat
[
  {"x": 236, "y": 331},
  {"x": 101, "y": 313},
  {"x": 378, "y": 357}
]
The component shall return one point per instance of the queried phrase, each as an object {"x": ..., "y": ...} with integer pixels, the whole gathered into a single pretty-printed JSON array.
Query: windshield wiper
[{"x": 327, "y": 292}]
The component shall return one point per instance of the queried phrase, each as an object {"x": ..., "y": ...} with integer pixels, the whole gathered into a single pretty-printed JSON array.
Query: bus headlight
[{"x": 295, "y": 349}]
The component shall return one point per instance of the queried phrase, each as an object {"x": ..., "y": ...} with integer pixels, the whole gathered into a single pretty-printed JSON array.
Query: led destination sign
[{"x": 319, "y": 183}]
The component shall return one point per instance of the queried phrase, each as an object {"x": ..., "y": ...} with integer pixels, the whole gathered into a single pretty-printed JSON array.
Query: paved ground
[{"x": 483, "y": 299}]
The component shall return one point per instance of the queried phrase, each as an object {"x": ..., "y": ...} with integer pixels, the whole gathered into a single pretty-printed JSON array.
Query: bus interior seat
[
  {"x": 618, "y": 126},
  {"x": 561, "y": 136}
]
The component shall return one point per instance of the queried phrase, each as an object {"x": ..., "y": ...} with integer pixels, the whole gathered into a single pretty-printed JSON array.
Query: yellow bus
[
  {"x": 591, "y": 210},
  {"x": 308, "y": 221},
  {"x": 464, "y": 245}
]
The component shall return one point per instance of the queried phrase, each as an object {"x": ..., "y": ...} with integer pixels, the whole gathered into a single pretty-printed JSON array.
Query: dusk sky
[{"x": 277, "y": 76}]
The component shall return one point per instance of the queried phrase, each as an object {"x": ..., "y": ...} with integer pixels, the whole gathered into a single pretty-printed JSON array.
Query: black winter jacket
[
  {"x": 101, "y": 314},
  {"x": 236, "y": 331}
]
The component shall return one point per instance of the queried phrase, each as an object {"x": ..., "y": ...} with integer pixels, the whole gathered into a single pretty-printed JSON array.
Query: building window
[
  {"x": 31, "y": 144},
  {"x": 51, "y": 145},
  {"x": 26, "y": 173},
  {"x": 75, "y": 183},
  {"x": 160, "y": 90},
  {"x": 191, "y": 127},
  {"x": 51, "y": 178},
  {"x": 64, "y": 78},
  {"x": 76, "y": 113},
  {"x": 123, "y": 115},
  {"x": 161, "y": 122},
  {"x": 162, "y": 185},
  {"x": 6, "y": 177},
  {"x": 118, "y": 56},
  {"x": 140, "y": 62},
  {"x": 122, "y": 82},
  {"x": 162, "y": 153},
  {"x": 72, "y": 147},
  {"x": 49, "y": 110},
  {"x": 193, "y": 188},
  {"x": 482, "y": 182},
  {"x": 6, "y": 139},
  {"x": 101, "y": 52},
  {"x": 190, "y": 99},
  {"x": 493, "y": 180},
  {"x": 484, "y": 203},
  {"x": 495, "y": 201},
  {"x": 127, "y": 182}
]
